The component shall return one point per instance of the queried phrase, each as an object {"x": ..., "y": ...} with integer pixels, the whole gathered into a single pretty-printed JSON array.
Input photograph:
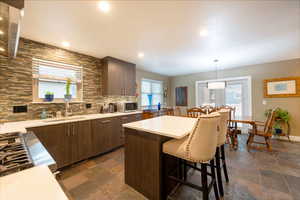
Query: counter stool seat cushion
[
  {"x": 176, "y": 148},
  {"x": 200, "y": 145}
]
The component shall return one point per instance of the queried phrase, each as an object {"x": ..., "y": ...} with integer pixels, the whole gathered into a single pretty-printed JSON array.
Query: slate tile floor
[{"x": 254, "y": 175}]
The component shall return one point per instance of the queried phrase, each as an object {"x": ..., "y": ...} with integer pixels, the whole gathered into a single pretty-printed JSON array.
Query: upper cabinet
[
  {"x": 15, "y": 3},
  {"x": 118, "y": 77}
]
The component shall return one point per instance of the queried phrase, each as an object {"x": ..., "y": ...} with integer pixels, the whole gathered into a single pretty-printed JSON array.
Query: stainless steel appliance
[
  {"x": 14, "y": 155},
  {"x": 128, "y": 106},
  {"x": 22, "y": 151}
]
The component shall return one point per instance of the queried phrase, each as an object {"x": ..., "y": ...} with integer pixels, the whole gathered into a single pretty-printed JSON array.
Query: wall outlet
[{"x": 20, "y": 109}]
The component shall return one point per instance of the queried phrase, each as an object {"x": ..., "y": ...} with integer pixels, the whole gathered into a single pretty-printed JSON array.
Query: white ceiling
[{"x": 241, "y": 32}]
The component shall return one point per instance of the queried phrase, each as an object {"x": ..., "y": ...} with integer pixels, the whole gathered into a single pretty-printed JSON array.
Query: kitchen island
[
  {"x": 144, "y": 160},
  {"x": 35, "y": 184}
]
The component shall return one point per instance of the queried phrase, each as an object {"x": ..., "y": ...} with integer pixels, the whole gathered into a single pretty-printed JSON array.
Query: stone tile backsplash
[{"x": 16, "y": 81}]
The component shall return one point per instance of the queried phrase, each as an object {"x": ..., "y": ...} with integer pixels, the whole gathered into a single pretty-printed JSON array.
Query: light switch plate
[{"x": 264, "y": 102}]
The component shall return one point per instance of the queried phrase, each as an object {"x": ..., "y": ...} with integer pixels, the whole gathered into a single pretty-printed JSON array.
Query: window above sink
[{"x": 51, "y": 78}]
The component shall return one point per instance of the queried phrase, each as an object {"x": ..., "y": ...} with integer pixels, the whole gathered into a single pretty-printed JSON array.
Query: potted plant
[
  {"x": 68, "y": 95},
  {"x": 281, "y": 117},
  {"x": 49, "y": 96}
]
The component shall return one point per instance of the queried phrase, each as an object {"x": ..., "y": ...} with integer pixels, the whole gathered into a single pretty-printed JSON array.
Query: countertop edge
[
  {"x": 156, "y": 132},
  {"x": 21, "y": 126}
]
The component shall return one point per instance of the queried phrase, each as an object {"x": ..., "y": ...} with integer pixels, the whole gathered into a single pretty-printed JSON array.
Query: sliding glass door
[{"x": 236, "y": 94}]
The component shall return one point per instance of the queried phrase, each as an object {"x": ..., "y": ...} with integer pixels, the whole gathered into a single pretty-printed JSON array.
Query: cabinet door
[
  {"x": 117, "y": 138},
  {"x": 101, "y": 136},
  {"x": 116, "y": 78},
  {"x": 130, "y": 80},
  {"x": 58, "y": 142},
  {"x": 82, "y": 140},
  {"x": 124, "y": 120}
]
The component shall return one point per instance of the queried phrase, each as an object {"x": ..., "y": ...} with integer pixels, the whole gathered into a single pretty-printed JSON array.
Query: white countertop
[
  {"x": 21, "y": 126},
  {"x": 170, "y": 126},
  {"x": 32, "y": 184}
]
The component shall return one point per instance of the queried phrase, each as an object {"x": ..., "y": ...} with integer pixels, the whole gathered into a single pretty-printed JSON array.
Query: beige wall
[
  {"x": 258, "y": 74},
  {"x": 140, "y": 74}
]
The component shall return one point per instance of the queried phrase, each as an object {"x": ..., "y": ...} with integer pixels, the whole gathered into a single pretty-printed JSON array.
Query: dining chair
[
  {"x": 233, "y": 131},
  {"x": 198, "y": 147},
  {"x": 195, "y": 112},
  {"x": 207, "y": 108},
  {"x": 263, "y": 129},
  {"x": 220, "y": 151},
  {"x": 177, "y": 111}
]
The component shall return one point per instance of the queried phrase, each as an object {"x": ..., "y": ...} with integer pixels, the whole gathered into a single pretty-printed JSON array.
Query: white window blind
[
  {"x": 236, "y": 94},
  {"x": 51, "y": 76},
  {"x": 154, "y": 88}
]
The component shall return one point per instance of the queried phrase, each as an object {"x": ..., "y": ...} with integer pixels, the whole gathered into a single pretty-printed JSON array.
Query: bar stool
[
  {"x": 198, "y": 147},
  {"x": 221, "y": 159}
]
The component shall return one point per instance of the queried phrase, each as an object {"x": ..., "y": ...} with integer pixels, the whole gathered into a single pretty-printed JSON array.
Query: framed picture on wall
[
  {"x": 282, "y": 87},
  {"x": 181, "y": 96}
]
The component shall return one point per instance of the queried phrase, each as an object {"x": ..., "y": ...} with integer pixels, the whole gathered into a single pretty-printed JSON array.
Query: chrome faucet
[{"x": 67, "y": 113}]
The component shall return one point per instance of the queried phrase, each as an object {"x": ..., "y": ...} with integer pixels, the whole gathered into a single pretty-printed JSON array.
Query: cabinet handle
[
  {"x": 106, "y": 121},
  {"x": 124, "y": 117}
]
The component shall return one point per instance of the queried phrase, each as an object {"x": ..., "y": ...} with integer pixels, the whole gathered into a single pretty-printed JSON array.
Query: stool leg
[
  {"x": 184, "y": 170},
  {"x": 205, "y": 191},
  {"x": 219, "y": 175},
  {"x": 179, "y": 169},
  {"x": 213, "y": 175},
  {"x": 224, "y": 163}
]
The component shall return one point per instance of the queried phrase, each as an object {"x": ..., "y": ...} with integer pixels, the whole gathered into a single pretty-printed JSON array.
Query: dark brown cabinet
[
  {"x": 72, "y": 142},
  {"x": 67, "y": 143},
  {"x": 15, "y": 3},
  {"x": 81, "y": 140},
  {"x": 118, "y": 77},
  {"x": 101, "y": 135},
  {"x": 127, "y": 119},
  {"x": 57, "y": 140}
]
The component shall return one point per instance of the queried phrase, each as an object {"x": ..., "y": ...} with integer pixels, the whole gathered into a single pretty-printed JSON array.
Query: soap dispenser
[{"x": 44, "y": 114}]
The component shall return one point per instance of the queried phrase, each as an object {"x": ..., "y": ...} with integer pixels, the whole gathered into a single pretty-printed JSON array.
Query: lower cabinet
[
  {"x": 72, "y": 142},
  {"x": 105, "y": 135},
  {"x": 57, "y": 141},
  {"x": 81, "y": 140}
]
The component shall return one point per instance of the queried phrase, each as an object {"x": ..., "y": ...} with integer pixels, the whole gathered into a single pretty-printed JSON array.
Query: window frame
[
  {"x": 248, "y": 97},
  {"x": 152, "y": 81},
  {"x": 36, "y": 78}
]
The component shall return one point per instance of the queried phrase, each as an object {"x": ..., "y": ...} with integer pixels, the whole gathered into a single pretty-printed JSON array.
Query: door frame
[{"x": 248, "y": 78}]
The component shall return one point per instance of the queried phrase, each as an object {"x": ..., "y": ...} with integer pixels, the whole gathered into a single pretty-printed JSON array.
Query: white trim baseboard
[{"x": 292, "y": 138}]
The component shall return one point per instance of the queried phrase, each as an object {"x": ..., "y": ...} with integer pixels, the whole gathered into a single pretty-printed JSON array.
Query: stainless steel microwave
[{"x": 128, "y": 106}]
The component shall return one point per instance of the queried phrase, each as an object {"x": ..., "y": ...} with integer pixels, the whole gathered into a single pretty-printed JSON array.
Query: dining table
[{"x": 234, "y": 129}]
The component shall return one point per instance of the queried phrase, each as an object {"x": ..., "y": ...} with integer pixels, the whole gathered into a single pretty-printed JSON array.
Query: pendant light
[{"x": 216, "y": 85}]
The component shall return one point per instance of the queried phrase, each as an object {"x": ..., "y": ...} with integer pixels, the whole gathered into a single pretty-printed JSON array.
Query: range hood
[{"x": 14, "y": 25}]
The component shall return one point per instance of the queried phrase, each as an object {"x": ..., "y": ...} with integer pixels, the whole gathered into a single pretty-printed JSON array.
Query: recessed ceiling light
[
  {"x": 141, "y": 55},
  {"x": 1, "y": 32},
  {"x": 2, "y": 49},
  {"x": 22, "y": 13},
  {"x": 203, "y": 33},
  {"x": 65, "y": 44},
  {"x": 104, "y": 6}
]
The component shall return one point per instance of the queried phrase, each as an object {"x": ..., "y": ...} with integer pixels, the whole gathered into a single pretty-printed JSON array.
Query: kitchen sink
[{"x": 63, "y": 119}]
